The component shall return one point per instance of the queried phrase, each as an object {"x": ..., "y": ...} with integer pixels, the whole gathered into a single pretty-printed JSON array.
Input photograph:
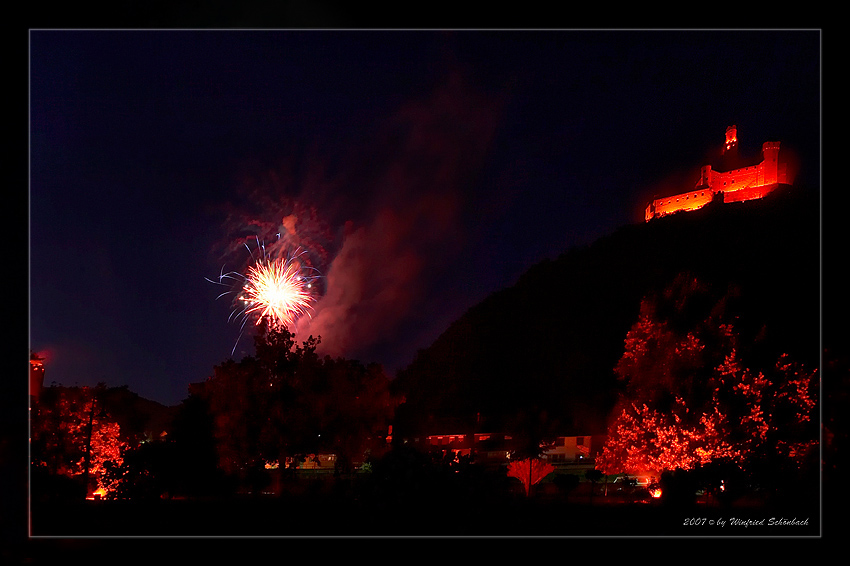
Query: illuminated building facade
[
  {"x": 732, "y": 185},
  {"x": 488, "y": 447},
  {"x": 574, "y": 448},
  {"x": 498, "y": 447}
]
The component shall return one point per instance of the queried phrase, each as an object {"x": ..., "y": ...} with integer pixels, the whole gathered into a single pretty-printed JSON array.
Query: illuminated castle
[{"x": 734, "y": 185}]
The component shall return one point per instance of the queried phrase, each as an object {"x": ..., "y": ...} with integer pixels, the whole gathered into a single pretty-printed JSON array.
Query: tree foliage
[
  {"x": 285, "y": 402},
  {"x": 690, "y": 400},
  {"x": 529, "y": 471},
  {"x": 576, "y": 309},
  {"x": 72, "y": 434}
]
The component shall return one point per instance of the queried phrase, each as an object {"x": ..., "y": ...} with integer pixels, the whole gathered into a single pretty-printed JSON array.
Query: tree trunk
[{"x": 87, "y": 461}]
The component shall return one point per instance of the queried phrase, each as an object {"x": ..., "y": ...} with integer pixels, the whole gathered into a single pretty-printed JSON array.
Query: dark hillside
[
  {"x": 136, "y": 415},
  {"x": 547, "y": 346}
]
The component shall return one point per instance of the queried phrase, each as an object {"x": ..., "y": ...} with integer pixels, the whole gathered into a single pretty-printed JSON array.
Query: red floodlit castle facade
[{"x": 736, "y": 185}]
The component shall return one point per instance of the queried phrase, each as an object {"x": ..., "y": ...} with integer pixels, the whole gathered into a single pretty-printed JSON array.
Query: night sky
[{"x": 423, "y": 170}]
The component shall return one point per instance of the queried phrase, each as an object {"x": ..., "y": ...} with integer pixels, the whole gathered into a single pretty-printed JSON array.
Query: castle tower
[
  {"x": 770, "y": 153},
  {"x": 729, "y": 158},
  {"x": 731, "y": 144}
]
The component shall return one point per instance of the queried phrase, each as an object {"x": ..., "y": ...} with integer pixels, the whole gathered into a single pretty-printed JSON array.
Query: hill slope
[{"x": 548, "y": 344}]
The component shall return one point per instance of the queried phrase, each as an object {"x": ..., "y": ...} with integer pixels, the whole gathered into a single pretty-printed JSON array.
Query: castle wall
[
  {"x": 738, "y": 179},
  {"x": 685, "y": 201},
  {"x": 738, "y": 185},
  {"x": 748, "y": 193}
]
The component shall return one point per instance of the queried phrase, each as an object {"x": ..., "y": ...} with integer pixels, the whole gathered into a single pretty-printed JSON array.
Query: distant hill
[
  {"x": 139, "y": 418},
  {"x": 137, "y": 415},
  {"x": 548, "y": 344}
]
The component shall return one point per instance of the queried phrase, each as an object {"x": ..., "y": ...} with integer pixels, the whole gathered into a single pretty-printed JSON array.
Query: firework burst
[{"x": 278, "y": 289}]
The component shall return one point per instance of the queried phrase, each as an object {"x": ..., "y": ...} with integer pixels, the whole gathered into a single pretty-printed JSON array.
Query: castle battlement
[{"x": 736, "y": 185}]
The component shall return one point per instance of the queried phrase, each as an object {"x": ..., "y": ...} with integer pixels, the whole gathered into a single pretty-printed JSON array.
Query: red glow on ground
[{"x": 97, "y": 494}]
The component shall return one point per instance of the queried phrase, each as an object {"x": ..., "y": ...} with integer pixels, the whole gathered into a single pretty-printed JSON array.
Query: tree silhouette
[
  {"x": 566, "y": 482},
  {"x": 593, "y": 476},
  {"x": 285, "y": 403}
]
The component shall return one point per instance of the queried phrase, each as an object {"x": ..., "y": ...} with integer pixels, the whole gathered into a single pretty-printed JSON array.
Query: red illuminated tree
[
  {"x": 73, "y": 435},
  {"x": 689, "y": 400},
  {"x": 529, "y": 471}
]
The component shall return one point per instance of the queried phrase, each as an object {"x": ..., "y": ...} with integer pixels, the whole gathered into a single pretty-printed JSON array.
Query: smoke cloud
[{"x": 419, "y": 181}]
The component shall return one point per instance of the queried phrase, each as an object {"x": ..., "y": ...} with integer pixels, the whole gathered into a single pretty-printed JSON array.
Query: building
[
  {"x": 725, "y": 182},
  {"x": 498, "y": 448},
  {"x": 573, "y": 449},
  {"x": 483, "y": 447},
  {"x": 36, "y": 376}
]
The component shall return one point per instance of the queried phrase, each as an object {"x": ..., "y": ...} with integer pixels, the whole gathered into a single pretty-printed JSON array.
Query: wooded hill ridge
[{"x": 545, "y": 348}]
